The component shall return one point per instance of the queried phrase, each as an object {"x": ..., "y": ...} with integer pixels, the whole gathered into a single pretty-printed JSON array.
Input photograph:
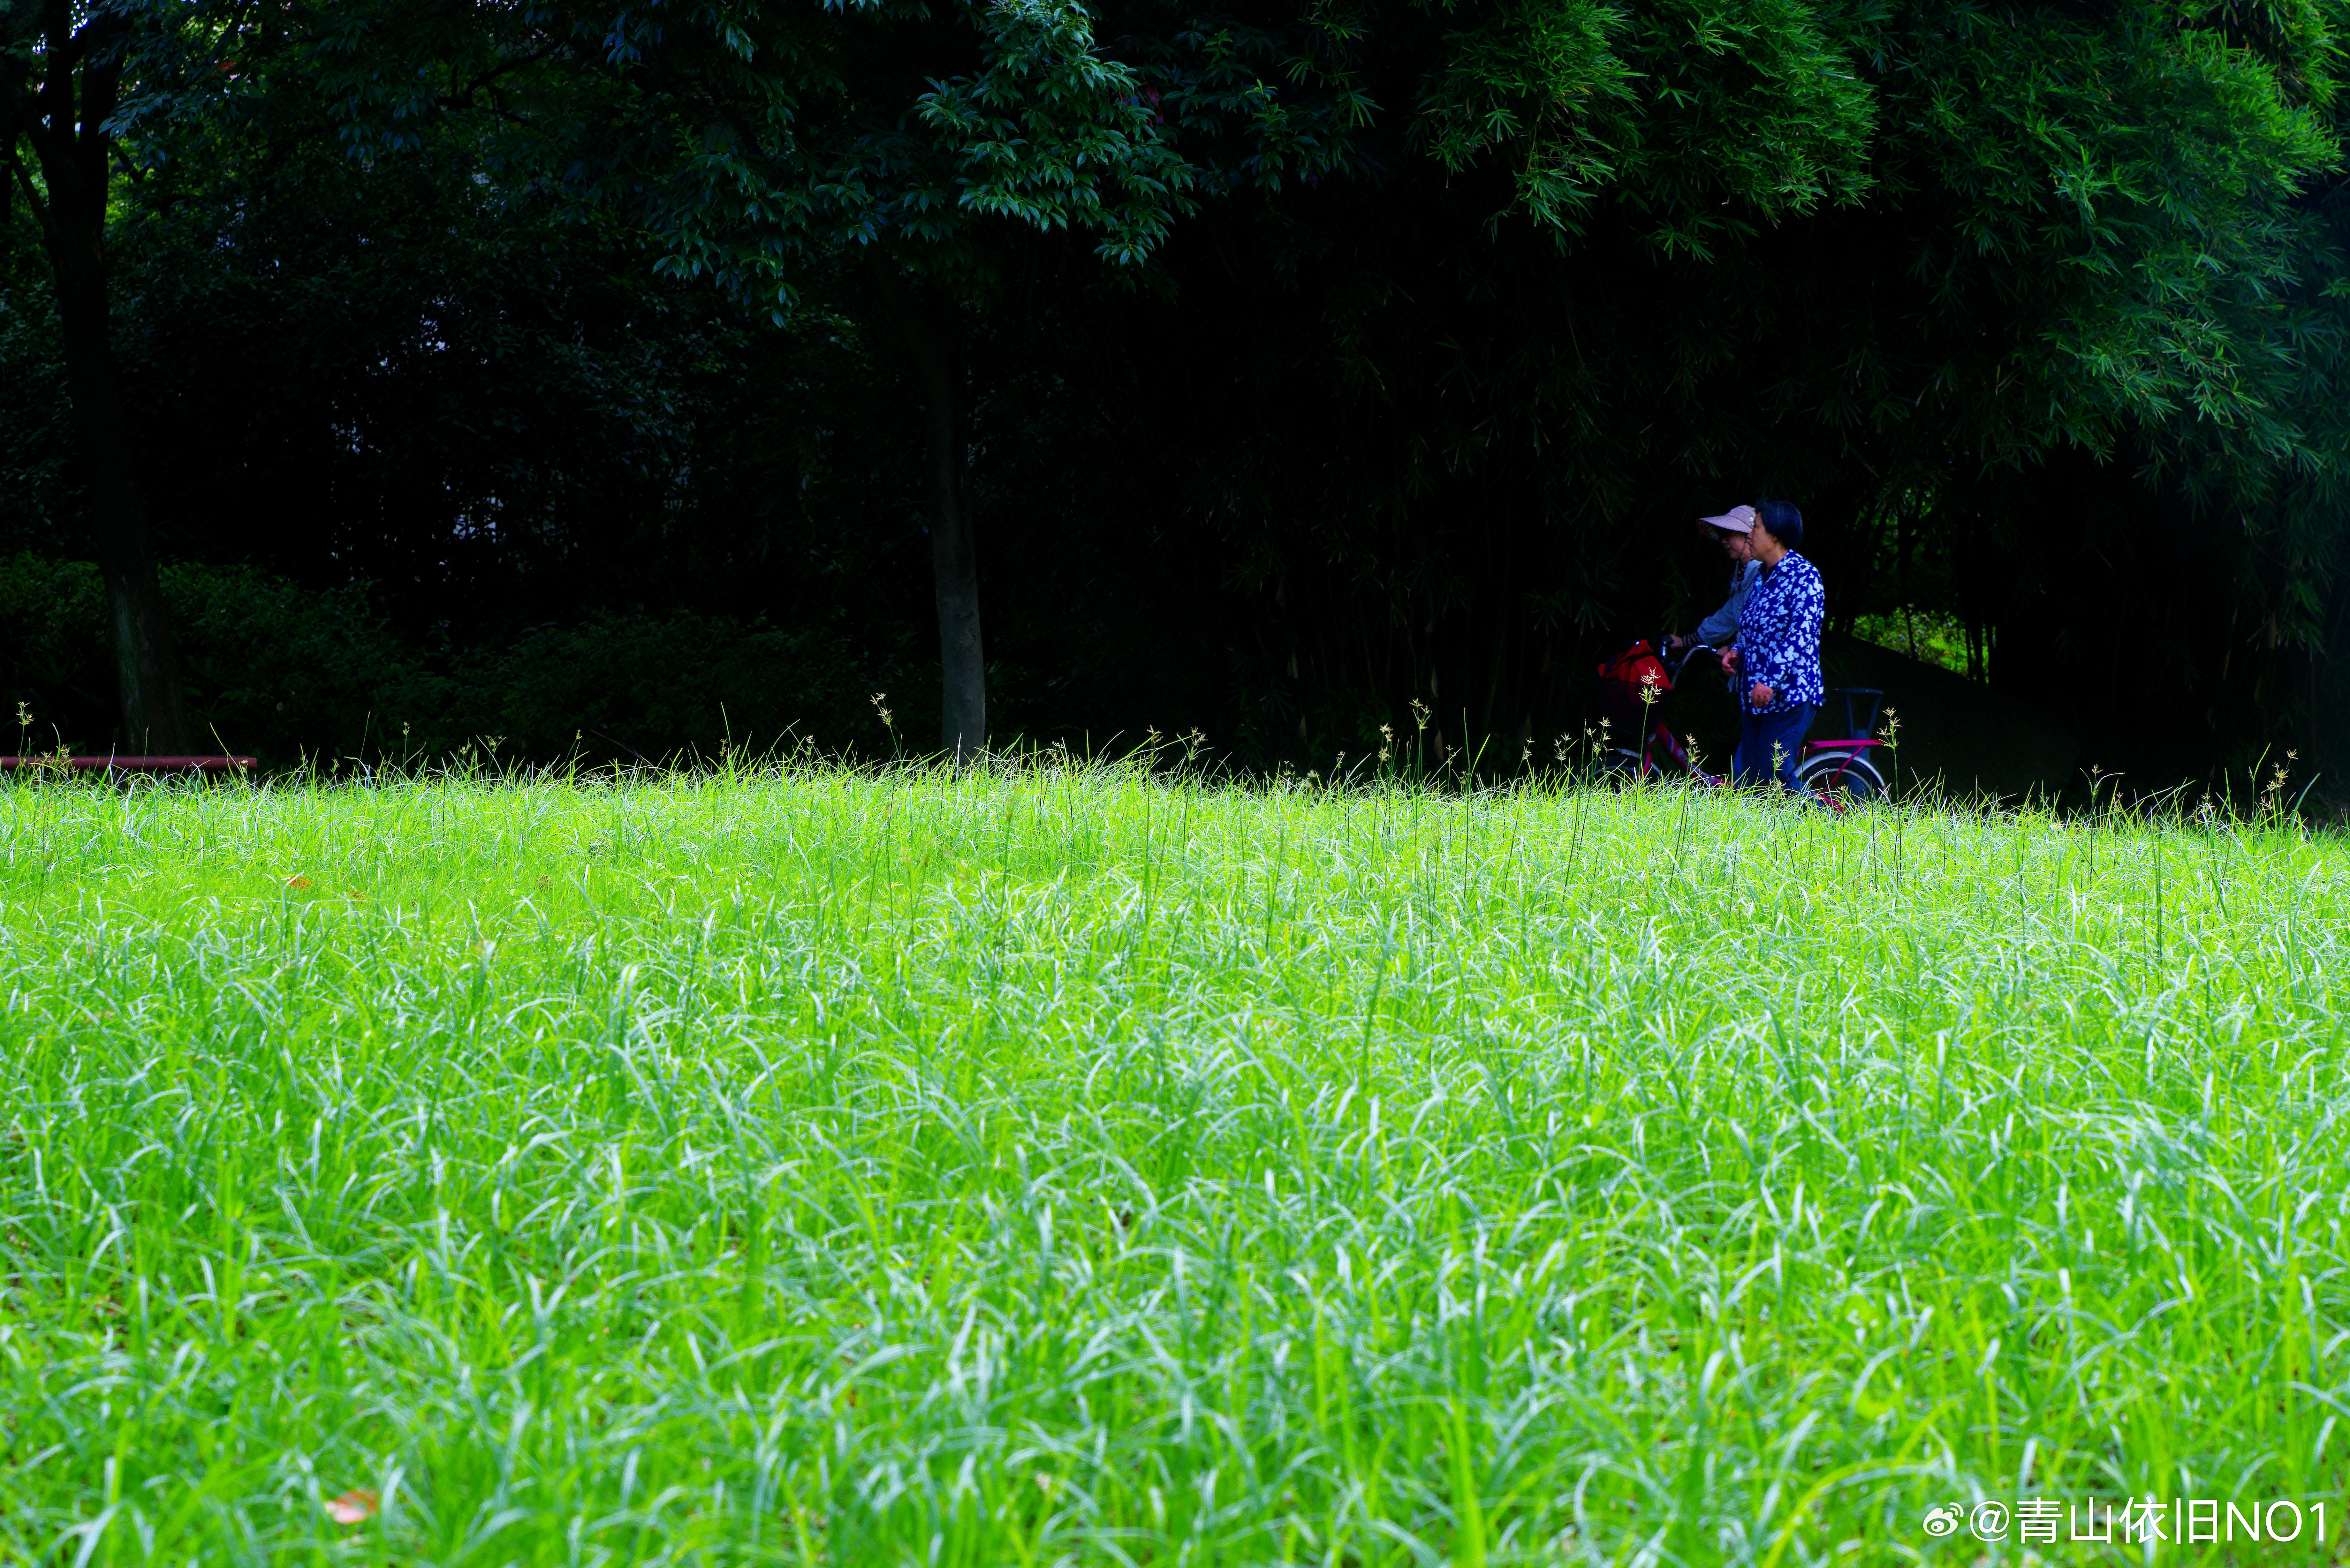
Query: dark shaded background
[{"x": 435, "y": 467}]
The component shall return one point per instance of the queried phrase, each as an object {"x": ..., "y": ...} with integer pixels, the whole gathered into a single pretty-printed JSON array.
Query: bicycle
[
  {"x": 1634, "y": 690},
  {"x": 1843, "y": 767}
]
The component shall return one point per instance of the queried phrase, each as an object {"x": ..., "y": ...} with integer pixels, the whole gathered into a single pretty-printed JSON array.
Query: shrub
[{"x": 288, "y": 673}]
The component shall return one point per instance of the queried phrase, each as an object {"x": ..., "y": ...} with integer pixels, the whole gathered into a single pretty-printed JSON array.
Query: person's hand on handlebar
[
  {"x": 1677, "y": 641},
  {"x": 1730, "y": 662}
]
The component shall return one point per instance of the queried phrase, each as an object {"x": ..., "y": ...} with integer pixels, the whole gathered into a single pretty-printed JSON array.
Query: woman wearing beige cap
[
  {"x": 1776, "y": 663},
  {"x": 1734, "y": 528}
]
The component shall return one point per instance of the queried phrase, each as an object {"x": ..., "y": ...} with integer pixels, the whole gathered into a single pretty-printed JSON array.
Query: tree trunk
[
  {"x": 146, "y": 670},
  {"x": 925, "y": 319},
  {"x": 68, "y": 132},
  {"x": 2328, "y": 761}
]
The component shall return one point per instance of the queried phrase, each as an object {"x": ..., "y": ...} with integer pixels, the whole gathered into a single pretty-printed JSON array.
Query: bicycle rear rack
[{"x": 1856, "y": 727}]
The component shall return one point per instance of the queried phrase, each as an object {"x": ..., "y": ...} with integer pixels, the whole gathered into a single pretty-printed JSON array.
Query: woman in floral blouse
[{"x": 1777, "y": 657}]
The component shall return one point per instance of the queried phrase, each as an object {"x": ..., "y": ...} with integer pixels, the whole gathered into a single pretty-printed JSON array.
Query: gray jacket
[{"x": 1721, "y": 628}]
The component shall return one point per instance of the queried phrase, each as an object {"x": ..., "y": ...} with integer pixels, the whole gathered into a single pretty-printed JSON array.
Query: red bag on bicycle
[{"x": 1621, "y": 680}]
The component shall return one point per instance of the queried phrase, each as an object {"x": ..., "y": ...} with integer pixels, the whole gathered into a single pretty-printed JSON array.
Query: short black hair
[{"x": 1782, "y": 522}]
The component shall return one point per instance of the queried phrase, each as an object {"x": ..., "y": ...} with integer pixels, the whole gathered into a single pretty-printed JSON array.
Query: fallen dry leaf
[
  {"x": 298, "y": 882},
  {"x": 353, "y": 1506}
]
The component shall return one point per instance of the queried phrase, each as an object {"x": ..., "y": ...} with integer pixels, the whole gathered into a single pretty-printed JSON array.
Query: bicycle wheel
[
  {"x": 1617, "y": 768},
  {"x": 1845, "y": 777}
]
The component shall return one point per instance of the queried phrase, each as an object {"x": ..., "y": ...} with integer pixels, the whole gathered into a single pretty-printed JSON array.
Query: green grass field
[{"x": 1065, "y": 1167}]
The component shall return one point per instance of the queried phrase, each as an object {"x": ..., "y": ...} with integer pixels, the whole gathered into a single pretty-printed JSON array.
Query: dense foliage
[{"x": 1307, "y": 361}]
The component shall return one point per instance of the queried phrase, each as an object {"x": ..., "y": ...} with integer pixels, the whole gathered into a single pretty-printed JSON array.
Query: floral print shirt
[{"x": 1779, "y": 636}]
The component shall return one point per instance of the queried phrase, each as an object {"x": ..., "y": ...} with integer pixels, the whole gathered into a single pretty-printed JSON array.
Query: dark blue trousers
[{"x": 1768, "y": 739}]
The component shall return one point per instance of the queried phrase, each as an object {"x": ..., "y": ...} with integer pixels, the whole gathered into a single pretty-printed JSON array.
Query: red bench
[{"x": 131, "y": 765}]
